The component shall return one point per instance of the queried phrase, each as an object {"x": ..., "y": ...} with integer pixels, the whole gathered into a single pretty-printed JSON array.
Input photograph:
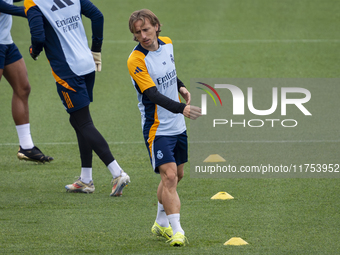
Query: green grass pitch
[{"x": 212, "y": 39}]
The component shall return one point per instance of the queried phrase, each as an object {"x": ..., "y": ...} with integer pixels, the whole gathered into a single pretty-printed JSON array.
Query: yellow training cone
[
  {"x": 214, "y": 158},
  {"x": 235, "y": 241},
  {"x": 222, "y": 195}
]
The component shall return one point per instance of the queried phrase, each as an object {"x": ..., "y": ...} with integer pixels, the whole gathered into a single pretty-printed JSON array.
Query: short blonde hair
[{"x": 142, "y": 15}]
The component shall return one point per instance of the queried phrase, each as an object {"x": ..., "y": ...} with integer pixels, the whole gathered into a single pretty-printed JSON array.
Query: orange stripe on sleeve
[
  {"x": 28, "y": 4},
  {"x": 164, "y": 39},
  {"x": 62, "y": 82},
  {"x": 138, "y": 71}
]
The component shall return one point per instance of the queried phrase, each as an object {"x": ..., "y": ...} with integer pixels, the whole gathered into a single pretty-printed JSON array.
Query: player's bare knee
[
  {"x": 171, "y": 179},
  {"x": 26, "y": 89},
  {"x": 23, "y": 90}
]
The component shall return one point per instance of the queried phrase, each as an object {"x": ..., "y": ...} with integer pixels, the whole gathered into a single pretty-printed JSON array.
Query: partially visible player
[
  {"x": 154, "y": 76},
  {"x": 13, "y": 68},
  {"x": 57, "y": 28}
]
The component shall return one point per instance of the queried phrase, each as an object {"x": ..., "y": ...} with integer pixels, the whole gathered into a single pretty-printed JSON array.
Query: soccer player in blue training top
[
  {"x": 13, "y": 67},
  {"x": 152, "y": 69},
  {"x": 56, "y": 27}
]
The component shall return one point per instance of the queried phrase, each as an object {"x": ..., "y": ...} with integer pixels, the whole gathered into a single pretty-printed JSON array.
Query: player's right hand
[
  {"x": 192, "y": 112},
  {"x": 33, "y": 55}
]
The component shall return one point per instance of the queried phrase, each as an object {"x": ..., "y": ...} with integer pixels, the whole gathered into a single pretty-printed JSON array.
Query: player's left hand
[
  {"x": 97, "y": 56},
  {"x": 185, "y": 94},
  {"x": 33, "y": 55}
]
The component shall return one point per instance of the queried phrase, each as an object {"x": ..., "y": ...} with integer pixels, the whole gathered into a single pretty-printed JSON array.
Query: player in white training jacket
[{"x": 152, "y": 68}]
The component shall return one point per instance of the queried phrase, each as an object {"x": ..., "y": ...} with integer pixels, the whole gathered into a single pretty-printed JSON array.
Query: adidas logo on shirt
[
  {"x": 60, "y": 4},
  {"x": 138, "y": 70}
]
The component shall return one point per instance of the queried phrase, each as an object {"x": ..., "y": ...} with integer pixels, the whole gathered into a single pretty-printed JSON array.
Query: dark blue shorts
[
  {"x": 9, "y": 53},
  {"x": 76, "y": 92},
  {"x": 166, "y": 149}
]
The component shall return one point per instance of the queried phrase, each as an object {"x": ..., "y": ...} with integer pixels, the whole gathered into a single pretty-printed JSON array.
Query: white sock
[
  {"x": 175, "y": 223},
  {"x": 161, "y": 218},
  {"x": 25, "y": 138},
  {"x": 86, "y": 174},
  {"x": 114, "y": 168}
]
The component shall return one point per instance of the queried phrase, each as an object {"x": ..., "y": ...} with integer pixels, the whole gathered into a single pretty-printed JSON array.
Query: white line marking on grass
[
  {"x": 193, "y": 142},
  {"x": 71, "y": 143},
  {"x": 262, "y": 41},
  {"x": 229, "y": 41},
  {"x": 241, "y": 41},
  {"x": 245, "y": 41},
  {"x": 282, "y": 141}
]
